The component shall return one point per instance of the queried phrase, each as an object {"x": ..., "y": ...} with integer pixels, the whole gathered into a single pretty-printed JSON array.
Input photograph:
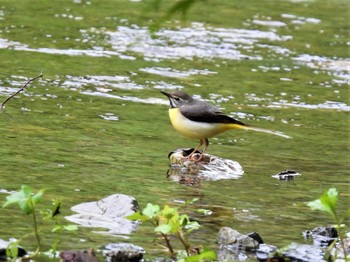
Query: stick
[{"x": 2, "y": 106}]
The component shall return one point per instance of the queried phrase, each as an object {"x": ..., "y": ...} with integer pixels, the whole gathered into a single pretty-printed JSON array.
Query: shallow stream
[{"x": 97, "y": 124}]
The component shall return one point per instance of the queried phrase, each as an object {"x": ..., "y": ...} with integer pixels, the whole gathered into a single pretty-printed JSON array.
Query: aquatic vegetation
[
  {"x": 327, "y": 203},
  {"x": 28, "y": 203},
  {"x": 169, "y": 223}
]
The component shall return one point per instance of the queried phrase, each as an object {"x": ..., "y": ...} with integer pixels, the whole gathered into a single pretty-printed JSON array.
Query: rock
[
  {"x": 265, "y": 251},
  {"x": 339, "y": 250},
  {"x": 210, "y": 168},
  {"x": 322, "y": 236},
  {"x": 78, "y": 256},
  {"x": 234, "y": 245},
  {"x": 256, "y": 237},
  {"x": 303, "y": 253},
  {"x": 160, "y": 259},
  {"x": 108, "y": 213},
  {"x": 286, "y": 175},
  {"x": 3, "y": 246},
  {"x": 123, "y": 252},
  {"x": 228, "y": 236}
]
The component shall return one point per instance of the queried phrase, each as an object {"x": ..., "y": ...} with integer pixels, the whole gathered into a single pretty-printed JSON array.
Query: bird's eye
[{"x": 177, "y": 98}]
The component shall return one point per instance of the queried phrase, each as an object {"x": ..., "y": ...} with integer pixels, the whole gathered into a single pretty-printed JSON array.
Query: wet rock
[
  {"x": 286, "y": 175},
  {"x": 123, "y": 252},
  {"x": 322, "y": 236},
  {"x": 210, "y": 168},
  {"x": 3, "y": 247},
  {"x": 78, "y": 256},
  {"x": 234, "y": 245},
  {"x": 256, "y": 237},
  {"x": 228, "y": 236},
  {"x": 160, "y": 259},
  {"x": 339, "y": 250},
  {"x": 107, "y": 213},
  {"x": 303, "y": 253},
  {"x": 265, "y": 251}
]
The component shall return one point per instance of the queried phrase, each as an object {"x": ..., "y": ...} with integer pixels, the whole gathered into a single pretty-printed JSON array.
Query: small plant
[
  {"x": 327, "y": 203},
  {"x": 169, "y": 223},
  {"x": 28, "y": 203}
]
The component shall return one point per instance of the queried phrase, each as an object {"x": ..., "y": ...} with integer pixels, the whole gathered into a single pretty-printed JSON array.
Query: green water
[{"x": 54, "y": 136}]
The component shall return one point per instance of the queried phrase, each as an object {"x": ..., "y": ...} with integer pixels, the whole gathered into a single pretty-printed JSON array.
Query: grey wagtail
[{"x": 197, "y": 119}]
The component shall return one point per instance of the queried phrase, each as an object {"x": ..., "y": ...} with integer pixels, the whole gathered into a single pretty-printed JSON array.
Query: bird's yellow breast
[{"x": 194, "y": 129}]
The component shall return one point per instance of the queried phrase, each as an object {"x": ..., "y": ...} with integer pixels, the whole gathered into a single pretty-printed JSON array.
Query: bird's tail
[{"x": 277, "y": 133}]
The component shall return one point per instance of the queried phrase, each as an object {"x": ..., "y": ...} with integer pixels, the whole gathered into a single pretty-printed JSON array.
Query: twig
[{"x": 2, "y": 106}]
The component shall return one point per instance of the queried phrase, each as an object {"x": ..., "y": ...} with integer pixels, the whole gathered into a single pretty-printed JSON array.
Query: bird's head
[{"x": 177, "y": 98}]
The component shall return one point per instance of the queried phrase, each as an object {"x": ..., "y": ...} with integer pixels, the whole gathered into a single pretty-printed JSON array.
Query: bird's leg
[
  {"x": 206, "y": 144},
  {"x": 201, "y": 142}
]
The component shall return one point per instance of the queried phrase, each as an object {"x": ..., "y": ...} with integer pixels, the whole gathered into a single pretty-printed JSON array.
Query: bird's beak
[
  {"x": 170, "y": 97},
  {"x": 167, "y": 94}
]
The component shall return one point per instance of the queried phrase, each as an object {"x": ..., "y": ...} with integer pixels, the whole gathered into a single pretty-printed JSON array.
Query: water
[{"x": 96, "y": 124}]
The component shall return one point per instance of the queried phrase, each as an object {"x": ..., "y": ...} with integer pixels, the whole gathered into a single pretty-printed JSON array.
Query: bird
[{"x": 197, "y": 119}]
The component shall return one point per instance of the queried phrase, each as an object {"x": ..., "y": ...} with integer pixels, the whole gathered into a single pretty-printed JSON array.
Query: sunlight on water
[
  {"x": 121, "y": 82},
  {"x": 109, "y": 117},
  {"x": 326, "y": 105},
  {"x": 128, "y": 98},
  {"x": 96, "y": 124},
  {"x": 170, "y": 72},
  {"x": 197, "y": 41},
  {"x": 339, "y": 68}
]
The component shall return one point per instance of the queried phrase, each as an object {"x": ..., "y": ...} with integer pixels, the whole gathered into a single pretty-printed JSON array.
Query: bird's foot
[{"x": 195, "y": 157}]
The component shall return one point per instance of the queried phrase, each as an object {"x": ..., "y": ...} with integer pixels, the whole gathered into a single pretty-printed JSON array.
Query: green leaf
[
  {"x": 206, "y": 212},
  {"x": 57, "y": 228},
  {"x": 207, "y": 255},
  {"x": 168, "y": 212},
  {"x": 165, "y": 229},
  {"x": 326, "y": 202},
  {"x": 138, "y": 216},
  {"x": 192, "y": 226},
  {"x": 184, "y": 220},
  {"x": 12, "y": 249},
  {"x": 27, "y": 190},
  {"x": 37, "y": 197},
  {"x": 70, "y": 227},
  {"x": 23, "y": 198},
  {"x": 18, "y": 196},
  {"x": 151, "y": 210}
]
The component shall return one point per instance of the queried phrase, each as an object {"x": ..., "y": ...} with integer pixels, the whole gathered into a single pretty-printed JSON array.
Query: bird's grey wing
[{"x": 204, "y": 112}]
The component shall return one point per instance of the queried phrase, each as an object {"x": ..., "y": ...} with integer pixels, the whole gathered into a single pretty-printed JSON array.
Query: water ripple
[{"x": 197, "y": 41}]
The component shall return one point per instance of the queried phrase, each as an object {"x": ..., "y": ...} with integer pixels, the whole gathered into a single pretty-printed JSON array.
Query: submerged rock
[
  {"x": 286, "y": 175},
  {"x": 209, "y": 168},
  {"x": 78, "y": 256},
  {"x": 322, "y": 236},
  {"x": 108, "y": 213},
  {"x": 123, "y": 252}
]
